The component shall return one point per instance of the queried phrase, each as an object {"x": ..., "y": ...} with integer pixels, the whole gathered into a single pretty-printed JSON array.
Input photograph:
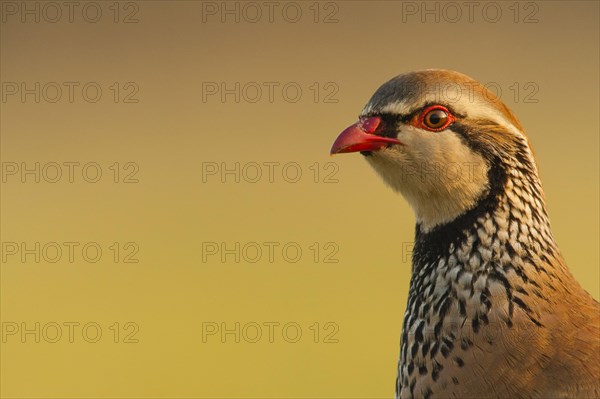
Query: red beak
[{"x": 361, "y": 137}]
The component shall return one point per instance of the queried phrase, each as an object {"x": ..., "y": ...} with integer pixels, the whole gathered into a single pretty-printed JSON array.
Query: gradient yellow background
[{"x": 171, "y": 131}]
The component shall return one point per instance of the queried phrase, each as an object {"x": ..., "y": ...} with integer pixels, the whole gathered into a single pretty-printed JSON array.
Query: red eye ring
[{"x": 440, "y": 121}]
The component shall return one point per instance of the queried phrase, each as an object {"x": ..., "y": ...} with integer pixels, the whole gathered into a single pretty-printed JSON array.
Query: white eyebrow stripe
[
  {"x": 397, "y": 108},
  {"x": 472, "y": 108},
  {"x": 401, "y": 108}
]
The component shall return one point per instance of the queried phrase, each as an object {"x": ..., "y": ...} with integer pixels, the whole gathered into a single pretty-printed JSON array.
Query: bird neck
[
  {"x": 494, "y": 276},
  {"x": 509, "y": 218},
  {"x": 484, "y": 267},
  {"x": 505, "y": 238}
]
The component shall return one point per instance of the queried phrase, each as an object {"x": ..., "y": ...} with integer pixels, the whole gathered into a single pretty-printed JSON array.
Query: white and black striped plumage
[{"x": 493, "y": 311}]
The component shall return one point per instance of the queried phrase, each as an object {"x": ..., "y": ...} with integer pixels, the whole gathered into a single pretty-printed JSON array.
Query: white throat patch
[{"x": 439, "y": 176}]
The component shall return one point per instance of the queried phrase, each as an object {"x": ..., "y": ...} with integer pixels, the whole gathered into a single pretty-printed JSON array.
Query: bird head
[{"x": 442, "y": 140}]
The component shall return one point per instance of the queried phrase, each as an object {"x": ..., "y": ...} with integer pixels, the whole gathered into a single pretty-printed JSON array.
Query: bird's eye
[{"x": 436, "y": 118}]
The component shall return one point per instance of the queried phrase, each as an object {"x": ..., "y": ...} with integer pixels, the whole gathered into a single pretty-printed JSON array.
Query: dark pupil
[{"x": 435, "y": 117}]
